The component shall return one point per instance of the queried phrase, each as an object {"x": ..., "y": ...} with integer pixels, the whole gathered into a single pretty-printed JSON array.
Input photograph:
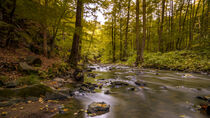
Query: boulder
[
  {"x": 11, "y": 84},
  {"x": 34, "y": 61},
  {"x": 23, "y": 66},
  {"x": 139, "y": 83},
  {"x": 98, "y": 108},
  {"x": 1, "y": 83},
  {"x": 78, "y": 75},
  {"x": 119, "y": 84},
  {"x": 55, "y": 96}
]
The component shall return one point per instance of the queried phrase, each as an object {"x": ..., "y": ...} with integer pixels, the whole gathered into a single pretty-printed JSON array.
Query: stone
[
  {"x": 91, "y": 75},
  {"x": 34, "y": 61},
  {"x": 78, "y": 75},
  {"x": 11, "y": 84},
  {"x": 1, "y": 83},
  {"x": 119, "y": 84},
  {"x": 139, "y": 83},
  {"x": 132, "y": 89},
  {"x": 26, "y": 68},
  {"x": 107, "y": 92},
  {"x": 55, "y": 96},
  {"x": 98, "y": 108}
]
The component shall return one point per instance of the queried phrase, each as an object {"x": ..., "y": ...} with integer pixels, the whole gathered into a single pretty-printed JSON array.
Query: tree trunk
[
  {"x": 126, "y": 32},
  {"x": 161, "y": 27},
  {"x": 144, "y": 32},
  {"x": 73, "y": 59},
  {"x": 137, "y": 34}
]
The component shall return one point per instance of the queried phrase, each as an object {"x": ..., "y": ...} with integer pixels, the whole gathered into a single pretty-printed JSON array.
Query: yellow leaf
[
  {"x": 182, "y": 116},
  {"x": 3, "y": 113},
  {"x": 21, "y": 108},
  {"x": 65, "y": 110},
  {"x": 29, "y": 102},
  {"x": 41, "y": 100}
]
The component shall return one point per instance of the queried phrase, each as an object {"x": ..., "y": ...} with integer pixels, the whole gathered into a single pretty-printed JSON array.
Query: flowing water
[{"x": 167, "y": 94}]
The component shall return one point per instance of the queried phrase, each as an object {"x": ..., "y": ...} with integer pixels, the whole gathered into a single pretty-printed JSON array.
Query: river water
[{"x": 167, "y": 94}]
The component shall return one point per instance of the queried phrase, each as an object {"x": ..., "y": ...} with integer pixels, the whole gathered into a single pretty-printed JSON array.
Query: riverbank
[{"x": 187, "y": 61}]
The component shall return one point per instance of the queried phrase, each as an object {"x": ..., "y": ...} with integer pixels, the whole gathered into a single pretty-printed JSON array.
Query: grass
[{"x": 191, "y": 61}]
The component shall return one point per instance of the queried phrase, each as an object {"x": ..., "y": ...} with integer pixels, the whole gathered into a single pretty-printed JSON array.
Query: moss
[
  {"x": 29, "y": 80},
  {"x": 191, "y": 61},
  {"x": 74, "y": 106},
  {"x": 33, "y": 91}
]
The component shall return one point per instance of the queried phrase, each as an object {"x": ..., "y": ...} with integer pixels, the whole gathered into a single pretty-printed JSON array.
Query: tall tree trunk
[
  {"x": 73, "y": 59},
  {"x": 144, "y": 32},
  {"x": 137, "y": 34},
  {"x": 161, "y": 28},
  {"x": 8, "y": 18},
  {"x": 126, "y": 31},
  {"x": 121, "y": 51},
  {"x": 45, "y": 31},
  {"x": 180, "y": 25}
]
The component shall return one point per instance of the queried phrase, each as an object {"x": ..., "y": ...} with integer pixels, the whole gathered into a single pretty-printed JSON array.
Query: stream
[{"x": 167, "y": 94}]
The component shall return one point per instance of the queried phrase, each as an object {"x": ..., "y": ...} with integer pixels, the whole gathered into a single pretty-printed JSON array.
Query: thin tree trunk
[
  {"x": 137, "y": 34},
  {"x": 126, "y": 32},
  {"x": 144, "y": 32},
  {"x": 121, "y": 51},
  {"x": 161, "y": 27},
  {"x": 73, "y": 59}
]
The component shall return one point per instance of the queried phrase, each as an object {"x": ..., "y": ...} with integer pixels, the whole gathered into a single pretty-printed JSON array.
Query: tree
[
  {"x": 73, "y": 59},
  {"x": 137, "y": 34},
  {"x": 144, "y": 31}
]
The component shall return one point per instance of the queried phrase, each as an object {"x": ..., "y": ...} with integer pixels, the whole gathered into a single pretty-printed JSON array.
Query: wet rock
[
  {"x": 11, "y": 84},
  {"x": 208, "y": 110},
  {"x": 23, "y": 66},
  {"x": 118, "y": 84},
  {"x": 140, "y": 83},
  {"x": 34, "y": 61},
  {"x": 91, "y": 75},
  {"x": 132, "y": 89},
  {"x": 205, "y": 98},
  {"x": 98, "y": 108},
  {"x": 187, "y": 76},
  {"x": 1, "y": 83},
  {"x": 78, "y": 75},
  {"x": 163, "y": 87},
  {"x": 55, "y": 96},
  {"x": 87, "y": 87},
  {"x": 107, "y": 92}
]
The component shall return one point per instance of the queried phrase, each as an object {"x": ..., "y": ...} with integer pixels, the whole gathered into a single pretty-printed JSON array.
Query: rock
[
  {"x": 107, "y": 92},
  {"x": 34, "y": 61},
  {"x": 132, "y": 89},
  {"x": 119, "y": 84},
  {"x": 208, "y": 110},
  {"x": 12, "y": 84},
  {"x": 55, "y": 96},
  {"x": 78, "y": 75},
  {"x": 91, "y": 75},
  {"x": 205, "y": 98},
  {"x": 187, "y": 76},
  {"x": 26, "y": 68},
  {"x": 139, "y": 83},
  {"x": 1, "y": 83},
  {"x": 98, "y": 108}
]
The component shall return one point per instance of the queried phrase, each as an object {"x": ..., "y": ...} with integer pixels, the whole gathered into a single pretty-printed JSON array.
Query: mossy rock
[{"x": 29, "y": 91}]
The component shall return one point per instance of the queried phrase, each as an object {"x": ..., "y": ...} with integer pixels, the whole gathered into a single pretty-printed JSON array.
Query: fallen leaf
[
  {"x": 182, "y": 116},
  {"x": 21, "y": 108},
  {"x": 65, "y": 110},
  {"x": 29, "y": 102},
  {"x": 41, "y": 100},
  {"x": 4, "y": 113}
]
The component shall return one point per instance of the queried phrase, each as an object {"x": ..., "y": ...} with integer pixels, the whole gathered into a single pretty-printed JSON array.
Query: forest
[{"x": 79, "y": 58}]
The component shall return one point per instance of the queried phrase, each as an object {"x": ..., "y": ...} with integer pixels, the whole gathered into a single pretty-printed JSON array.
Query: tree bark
[
  {"x": 137, "y": 34},
  {"x": 73, "y": 59},
  {"x": 161, "y": 27},
  {"x": 144, "y": 32},
  {"x": 126, "y": 32}
]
